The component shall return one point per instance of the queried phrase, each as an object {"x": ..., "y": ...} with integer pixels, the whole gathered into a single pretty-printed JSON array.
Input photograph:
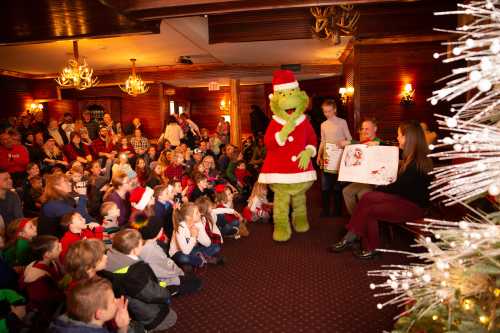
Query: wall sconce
[
  {"x": 227, "y": 118},
  {"x": 407, "y": 95},
  {"x": 35, "y": 108},
  {"x": 224, "y": 106},
  {"x": 345, "y": 94}
]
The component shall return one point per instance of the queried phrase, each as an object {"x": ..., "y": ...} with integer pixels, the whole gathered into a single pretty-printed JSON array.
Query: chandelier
[
  {"x": 77, "y": 74},
  {"x": 134, "y": 85}
]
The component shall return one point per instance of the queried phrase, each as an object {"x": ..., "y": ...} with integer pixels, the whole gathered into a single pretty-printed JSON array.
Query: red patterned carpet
[{"x": 292, "y": 287}]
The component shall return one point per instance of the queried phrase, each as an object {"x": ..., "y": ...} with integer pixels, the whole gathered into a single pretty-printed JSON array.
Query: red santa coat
[{"x": 281, "y": 165}]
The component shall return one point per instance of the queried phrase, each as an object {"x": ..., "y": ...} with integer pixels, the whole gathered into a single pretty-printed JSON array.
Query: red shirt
[
  {"x": 241, "y": 174},
  {"x": 174, "y": 172},
  {"x": 15, "y": 159},
  {"x": 70, "y": 238}
]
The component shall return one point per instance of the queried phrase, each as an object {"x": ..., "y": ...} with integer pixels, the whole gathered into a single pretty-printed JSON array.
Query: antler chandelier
[
  {"x": 334, "y": 21},
  {"x": 134, "y": 85},
  {"x": 77, "y": 74}
]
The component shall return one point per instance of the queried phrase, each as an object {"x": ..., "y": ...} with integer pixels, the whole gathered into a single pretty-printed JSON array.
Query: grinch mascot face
[
  {"x": 289, "y": 104},
  {"x": 290, "y": 144}
]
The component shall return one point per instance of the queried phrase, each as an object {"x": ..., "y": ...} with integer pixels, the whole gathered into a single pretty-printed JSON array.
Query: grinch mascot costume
[{"x": 290, "y": 144}]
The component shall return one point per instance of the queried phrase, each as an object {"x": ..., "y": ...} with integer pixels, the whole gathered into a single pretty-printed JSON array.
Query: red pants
[{"x": 378, "y": 206}]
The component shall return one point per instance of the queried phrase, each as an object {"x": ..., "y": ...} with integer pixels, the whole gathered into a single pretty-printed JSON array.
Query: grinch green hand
[
  {"x": 286, "y": 130},
  {"x": 304, "y": 158}
]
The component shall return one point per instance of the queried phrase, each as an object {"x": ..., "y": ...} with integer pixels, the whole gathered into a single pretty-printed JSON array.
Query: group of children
[{"x": 121, "y": 272}]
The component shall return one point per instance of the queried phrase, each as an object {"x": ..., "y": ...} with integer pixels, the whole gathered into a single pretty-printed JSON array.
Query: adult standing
[
  {"x": 173, "y": 132},
  {"x": 190, "y": 129},
  {"x": 355, "y": 191},
  {"x": 130, "y": 128},
  {"x": 91, "y": 125},
  {"x": 56, "y": 133},
  {"x": 67, "y": 125},
  {"x": 10, "y": 204},
  {"x": 258, "y": 121},
  {"x": 110, "y": 124},
  {"x": 333, "y": 130},
  {"x": 139, "y": 143},
  {"x": 14, "y": 158}
]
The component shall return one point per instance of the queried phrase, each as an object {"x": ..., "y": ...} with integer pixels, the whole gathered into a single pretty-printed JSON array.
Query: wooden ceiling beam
[
  {"x": 194, "y": 72},
  {"x": 143, "y": 10}
]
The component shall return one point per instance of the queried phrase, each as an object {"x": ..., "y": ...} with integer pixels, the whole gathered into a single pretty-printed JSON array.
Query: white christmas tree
[{"x": 455, "y": 284}]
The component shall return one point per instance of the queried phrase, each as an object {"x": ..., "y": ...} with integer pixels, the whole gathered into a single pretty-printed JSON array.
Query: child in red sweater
[{"x": 77, "y": 230}]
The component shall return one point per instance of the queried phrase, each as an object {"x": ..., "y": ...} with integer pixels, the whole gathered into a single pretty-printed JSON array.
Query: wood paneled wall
[
  {"x": 381, "y": 71},
  {"x": 15, "y": 95},
  {"x": 205, "y": 109}
]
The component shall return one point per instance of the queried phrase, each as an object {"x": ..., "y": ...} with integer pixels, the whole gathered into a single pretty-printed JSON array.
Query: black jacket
[
  {"x": 411, "y": 185},
  {"x": 148, "y": 302}
]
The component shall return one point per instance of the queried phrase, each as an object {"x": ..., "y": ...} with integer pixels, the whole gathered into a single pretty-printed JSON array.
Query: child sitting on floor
[
  {"x": 205, "y": 205},
  {"x": 89, "y": 306},
  {"x": 201, "y": 188},
  {"x": 190, "y": 245},
  {"x": 77, "y": 229},
  {"x": 110, "y": 214},
  {"x": 40, "y": 280},
  {"x": 19, "y": 235},
  {"x": 227, "y": 219},
  {"x": 84, "y": 259},
  {"x": 134, "y": 278},
  {"x": 153, "y": 254},
  {"x": 258, "y": 209}
]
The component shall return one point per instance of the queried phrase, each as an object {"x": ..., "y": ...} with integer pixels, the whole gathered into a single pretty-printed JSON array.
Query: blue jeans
[
  {"x": 208, "y": 251},
  {"x": 193, "y": 259},
  {"x": 224, "y": 227}
]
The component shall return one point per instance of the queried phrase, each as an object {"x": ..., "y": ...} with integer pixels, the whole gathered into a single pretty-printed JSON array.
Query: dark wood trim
[
  {"x": 145, "y": 12},
  {"x": 405, "y": 39},
  {"x": 347, "y": 51}
]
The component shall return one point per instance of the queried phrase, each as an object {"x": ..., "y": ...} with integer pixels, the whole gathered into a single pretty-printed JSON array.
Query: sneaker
[{"x": 216, "y": 260}]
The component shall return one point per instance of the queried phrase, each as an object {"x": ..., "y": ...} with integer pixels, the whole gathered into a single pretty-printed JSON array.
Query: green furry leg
[
  {"x": 282, "y": 231},
  {"x": 282, "y": 195}
]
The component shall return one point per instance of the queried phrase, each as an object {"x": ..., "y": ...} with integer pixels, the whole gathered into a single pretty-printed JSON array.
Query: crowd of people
[{"x": 101, "y": 228}]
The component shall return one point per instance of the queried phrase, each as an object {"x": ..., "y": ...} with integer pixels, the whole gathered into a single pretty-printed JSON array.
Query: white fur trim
[
  {"x": 290, "y": 138},
  {"x": 287, "y": 178},
  {"x": 278, "y": 139},
  {"x": 286, "y": 86},
  {"x": 294, "y": 158},
  {"x": 270, "y": 96},
  {"x": 282, "y": 121},
  {"x": 146, "y": 196},
  {"x": 313, "y": 149}
]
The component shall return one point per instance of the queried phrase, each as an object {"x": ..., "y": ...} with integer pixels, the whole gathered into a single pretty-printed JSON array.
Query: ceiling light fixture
[
  {"x": 134, "y": 85},
  {"x": 77, "y": 74}
]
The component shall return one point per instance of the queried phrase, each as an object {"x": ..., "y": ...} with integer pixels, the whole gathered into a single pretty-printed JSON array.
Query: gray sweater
[{"x": 164, "y": 268}]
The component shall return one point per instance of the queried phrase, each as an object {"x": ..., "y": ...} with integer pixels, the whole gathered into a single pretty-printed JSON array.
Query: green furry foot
[
  {"x": 301, "y": 225},
  {"x": 282, "y": 234}
]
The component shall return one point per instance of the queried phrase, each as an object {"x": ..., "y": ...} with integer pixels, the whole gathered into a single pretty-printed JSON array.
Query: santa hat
[
  {"x": 284, "y": 80},
  {"x": 140, "y": 196}
]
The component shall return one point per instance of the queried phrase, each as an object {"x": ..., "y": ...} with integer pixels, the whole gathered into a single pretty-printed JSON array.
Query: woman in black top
[{"x": 399, "y": 202}]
